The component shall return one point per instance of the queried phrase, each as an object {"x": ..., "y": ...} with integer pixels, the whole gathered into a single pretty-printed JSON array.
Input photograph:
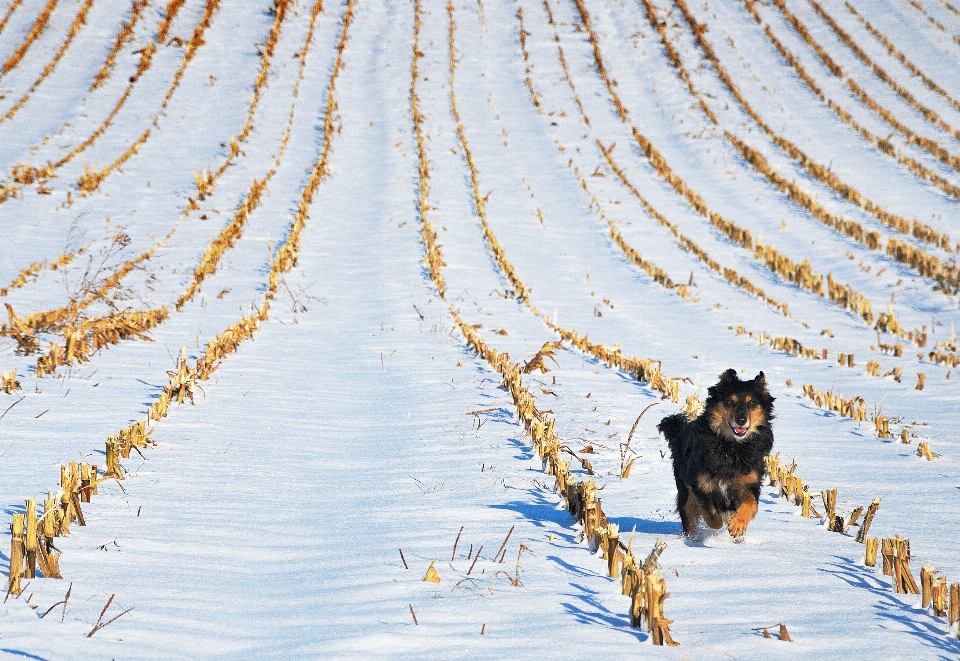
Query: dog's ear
[
  {"x": 730, "y": 375},
  {"x": 761, "y": 381}
]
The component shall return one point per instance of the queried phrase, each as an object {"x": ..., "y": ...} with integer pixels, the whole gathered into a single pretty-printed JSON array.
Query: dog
[{"x": 718, "y": 458}]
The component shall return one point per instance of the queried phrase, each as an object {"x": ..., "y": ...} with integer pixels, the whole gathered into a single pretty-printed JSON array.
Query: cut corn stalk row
[
  {"x": 801, "y": 273},
  {"x": 901, "y": 91},
  {"x": 641, "y": 581},
  {"x": 124, "y": 36},
  {"x": 36, "y": 30},
  {"x": 945, "y": 274},
  {"x": 79, "y": 484},
  {"x": 12, "y": 7},
  {"x": 847, "y": 408},
  {"x": 642, "y": 369},
  {"x": 892, "y": 50},
  {"x": 96, "y": 334},
  {"x": 884, "y": 145},
  {"x": 35, "y": 268},
  {"x": 75, "y": 28},
  {"x": 786, "y": 344},
  {"x": 31, "y": 539}
]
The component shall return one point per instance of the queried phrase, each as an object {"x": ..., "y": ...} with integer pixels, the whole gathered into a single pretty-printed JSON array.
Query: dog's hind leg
[
  {"x": 713, "y": 518},
  {"x": 689, "y": 509}
]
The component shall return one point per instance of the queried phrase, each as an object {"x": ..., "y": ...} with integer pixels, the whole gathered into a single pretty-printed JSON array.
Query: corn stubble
[
  {"x": 32, "y": 535},
  {"x": 643, "y": 583},
  {"x": 32, "y": 539},
  {"x": 945, "y": 274}
]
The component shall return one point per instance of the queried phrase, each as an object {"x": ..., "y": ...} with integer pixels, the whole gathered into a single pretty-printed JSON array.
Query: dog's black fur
[{"x": 718, "y": 459}]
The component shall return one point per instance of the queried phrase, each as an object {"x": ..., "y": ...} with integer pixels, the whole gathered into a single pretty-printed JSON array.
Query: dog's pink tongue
[{"x": 740, "y": 430}]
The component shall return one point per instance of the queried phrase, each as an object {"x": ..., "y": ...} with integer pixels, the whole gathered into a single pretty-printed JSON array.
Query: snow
[{"x": 356, "y": 433}]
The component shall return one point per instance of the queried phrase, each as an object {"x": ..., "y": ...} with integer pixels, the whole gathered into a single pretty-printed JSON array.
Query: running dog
[{"x": 718, "y": 458}]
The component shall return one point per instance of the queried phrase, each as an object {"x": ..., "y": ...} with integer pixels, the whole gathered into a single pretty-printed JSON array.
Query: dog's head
[{"x": 736, "y": 409}]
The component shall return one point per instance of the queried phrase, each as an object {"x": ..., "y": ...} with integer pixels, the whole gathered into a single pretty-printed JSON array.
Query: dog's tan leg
[
  {"x": 748, "y": 508},
  {"x": 745, "y": 513}
]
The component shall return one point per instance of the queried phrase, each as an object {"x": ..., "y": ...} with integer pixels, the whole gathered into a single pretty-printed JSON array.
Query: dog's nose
[{"x": 741, "y": 417}]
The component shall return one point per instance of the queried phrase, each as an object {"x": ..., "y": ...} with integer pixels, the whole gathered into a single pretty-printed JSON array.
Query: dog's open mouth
[{"x": 739, "y": 432}]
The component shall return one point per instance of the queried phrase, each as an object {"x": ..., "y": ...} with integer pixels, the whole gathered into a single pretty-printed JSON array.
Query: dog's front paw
[{"x": 737, "y": 526}]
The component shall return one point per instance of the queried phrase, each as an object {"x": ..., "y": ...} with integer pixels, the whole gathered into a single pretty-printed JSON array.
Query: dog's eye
[
  {"x": 751, "y": 404},
  {"x": 729, "y": 403}
]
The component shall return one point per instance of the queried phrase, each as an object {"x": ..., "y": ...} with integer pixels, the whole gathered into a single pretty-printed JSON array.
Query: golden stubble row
[
  {"x": 563, "y": 62},
  {"x": 124, "y": 37},
  {"x": 98, "y": 333},
  {"x": 856, "y": 408},
  {"x": 928, "y": 144},
  {"x": 800, "y": 273},
  {"x": 526, "y": 61},
  {"x": 169, "y": 14},
  {"x": 886, "y": 322},
  {"x": 642, "y": 581},
  {"x": 75, "y": 27},
  {"x": 932, "y": 146},
  {"x": 12, "y": 7},
  {"x": 92, "y": 177},
  {"x": 895, "y": 551},
  {"x": 901, "y": 91},
  {"x": 683, "y": 241},
  {"x": 183, "y": 384},
  {"x": 225, "y": 240},
  {"x": 541, "y": 433},
  {"x": 206, "y": 180},
  {"x": 646, "y": 370},
  {"x": 946, "y": 274},
  {"x": 286, "y": 255},
  {"x": 915, "y": 228},
  {"x": 39, "y": 25},
  {"x": 433, "y": 257},
  {"x": 934, "y": 22},
  {"x": 205, "y": 184},
  {"x": 655, "y": 272},
  {"x": 883, "y": 144},
  {"x": 22, "y": 330},
  {"x": 901, "y": 224},
  {"x": 34, "y": 269},
  {"x": 25, "y": 174},
  {"x": 785, "y": 344}
]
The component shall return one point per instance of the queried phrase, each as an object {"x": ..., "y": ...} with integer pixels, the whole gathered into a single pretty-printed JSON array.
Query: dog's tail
[{"x": 672, "y": 428}]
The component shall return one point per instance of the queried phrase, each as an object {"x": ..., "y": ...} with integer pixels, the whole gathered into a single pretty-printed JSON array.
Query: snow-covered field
[{"x": 296, "y": 165}]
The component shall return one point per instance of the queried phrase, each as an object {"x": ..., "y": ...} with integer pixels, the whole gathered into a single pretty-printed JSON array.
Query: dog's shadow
[{"x": 646, "y": 526}]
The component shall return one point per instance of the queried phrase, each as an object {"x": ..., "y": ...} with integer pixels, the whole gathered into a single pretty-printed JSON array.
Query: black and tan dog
[{"x": 718, "y": 459}]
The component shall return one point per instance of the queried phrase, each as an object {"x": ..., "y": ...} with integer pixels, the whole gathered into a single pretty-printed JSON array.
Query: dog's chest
[{"x": 723, "y": 486}]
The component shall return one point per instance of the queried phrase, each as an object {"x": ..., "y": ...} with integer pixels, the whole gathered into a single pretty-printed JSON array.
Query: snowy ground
[{"x": 356, "y": 433}]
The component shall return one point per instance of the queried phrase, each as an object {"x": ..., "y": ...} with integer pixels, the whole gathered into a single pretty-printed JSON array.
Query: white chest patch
[{"x": 724, "y": 486}]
